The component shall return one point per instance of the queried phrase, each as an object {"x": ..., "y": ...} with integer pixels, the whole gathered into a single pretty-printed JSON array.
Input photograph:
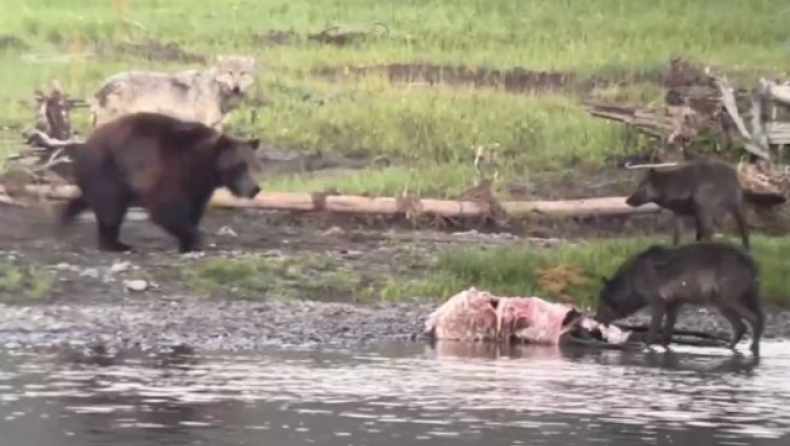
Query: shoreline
[
  {"x": 88, "y": 300},
  {"x": 203, "y": 324}
]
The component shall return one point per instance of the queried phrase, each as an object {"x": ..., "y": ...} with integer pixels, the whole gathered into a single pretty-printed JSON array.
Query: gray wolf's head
[{"x": 235, "y": 74}]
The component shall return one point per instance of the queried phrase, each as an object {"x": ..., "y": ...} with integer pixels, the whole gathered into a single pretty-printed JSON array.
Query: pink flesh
[{"x": 469, "y": 315}]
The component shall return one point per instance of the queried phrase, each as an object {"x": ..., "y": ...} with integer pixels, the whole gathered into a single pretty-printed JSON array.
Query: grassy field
[
  {"x": 315, "y": 102},
  {"x": 426, "y": 131},
  {"x": 571, "y": 272}
]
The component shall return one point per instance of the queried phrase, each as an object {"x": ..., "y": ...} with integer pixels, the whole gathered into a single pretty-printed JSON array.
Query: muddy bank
[
  {"x": 82, "y": 296},
  {"x": 240, "y": 325},
  {"x": 677, "y": 73},
  {"x": 252, "y": 255}
]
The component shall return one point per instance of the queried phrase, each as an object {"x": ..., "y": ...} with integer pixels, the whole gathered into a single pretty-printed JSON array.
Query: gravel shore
[
  {"x": 243, "y": 325},
  {"x": 210, "y": 325}
]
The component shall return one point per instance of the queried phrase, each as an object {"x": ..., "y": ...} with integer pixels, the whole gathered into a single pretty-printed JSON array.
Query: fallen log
[
  {"x": 6, "y": 200},
  {"x": 607, "y": 206},
  {"x": 778, "y": 132},
  {"x": 775, "y": 91}
]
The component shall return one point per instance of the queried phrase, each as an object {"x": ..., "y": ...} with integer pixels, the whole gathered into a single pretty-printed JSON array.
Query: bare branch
[
  {"x": 48, "y": 142},
  {"x": 752, "y": 145},
  {"x": 758, "y": 129},
  {"x": 776, "y": 92}
]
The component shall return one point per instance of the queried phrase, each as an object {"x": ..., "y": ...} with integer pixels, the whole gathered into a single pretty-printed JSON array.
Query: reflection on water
[{"x": 447, "y": 395}]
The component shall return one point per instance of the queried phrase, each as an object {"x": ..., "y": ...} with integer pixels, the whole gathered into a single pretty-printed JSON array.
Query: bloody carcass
[{"x": 476, "y": 315}]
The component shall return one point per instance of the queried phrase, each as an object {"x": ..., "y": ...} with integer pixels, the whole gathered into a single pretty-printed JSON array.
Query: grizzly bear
[{"x": 165, "y": 165}]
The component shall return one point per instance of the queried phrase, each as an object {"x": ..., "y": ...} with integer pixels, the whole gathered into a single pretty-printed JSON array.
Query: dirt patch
[
  {"x": 514, "y": 80},
  {"x": 151, "y": 50},
  {"x": 678, "y": 73},
  {"x": 256, "y": 254},
  {"x": 336, "y": 35},
  {"x": 275, "y": 37},
  {"x": 10, "y": 42}
]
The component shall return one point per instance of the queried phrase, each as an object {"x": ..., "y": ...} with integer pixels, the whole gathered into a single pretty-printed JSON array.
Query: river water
[{"x": 397, "y": 394}]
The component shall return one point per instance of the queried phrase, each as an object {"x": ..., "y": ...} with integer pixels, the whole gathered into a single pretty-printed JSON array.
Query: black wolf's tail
[
  {"x": 71, "y": 210},
  {"x": 764, "y": 199}
]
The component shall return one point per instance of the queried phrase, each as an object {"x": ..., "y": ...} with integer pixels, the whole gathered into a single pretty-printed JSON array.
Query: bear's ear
[{"x": 254, "y": 143}]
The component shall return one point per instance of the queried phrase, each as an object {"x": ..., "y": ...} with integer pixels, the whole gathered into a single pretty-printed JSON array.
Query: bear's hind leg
[
  {"x": 109, "y": 234},
  {"x": 110, "y": 213}
]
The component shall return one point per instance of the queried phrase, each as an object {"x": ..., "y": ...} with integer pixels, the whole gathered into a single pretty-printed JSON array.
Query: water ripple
[{"x": 445, "y": 395}]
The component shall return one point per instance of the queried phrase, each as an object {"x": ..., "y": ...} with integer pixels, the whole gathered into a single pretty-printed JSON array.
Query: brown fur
[{"x": 167, "y": 166}]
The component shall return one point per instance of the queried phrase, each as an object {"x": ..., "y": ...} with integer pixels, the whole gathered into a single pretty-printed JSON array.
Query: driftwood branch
[
  {"x": 759, "y": 136},
  {"x": 6, "y": 200},
  {"x": 349, "y": 204},
  {"x": 778, "y": 132},
  {"x": 701, "y": 107},
  {"x": 776, "y": 92},
  {"x": 649, "y": 122},
  {"x": 755, "y": 143},
  {"x": 50, "y": 138},
  {"x": 38, "y": 138}
]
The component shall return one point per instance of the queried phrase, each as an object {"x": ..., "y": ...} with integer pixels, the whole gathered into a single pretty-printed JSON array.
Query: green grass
[
  {"x": 260, "y": 277},
  {"x": 21, "y": 281},
  {"x": 570, "y": 272},
  {"x": 427, "y": 131},
  {"x": 577, "y": 268}
]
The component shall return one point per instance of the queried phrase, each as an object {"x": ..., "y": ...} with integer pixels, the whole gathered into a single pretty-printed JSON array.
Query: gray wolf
[
  {"x": 704, "y": 273},
  {"x": 704, "y": 189},
  {"x": 205, "y": 96}
]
